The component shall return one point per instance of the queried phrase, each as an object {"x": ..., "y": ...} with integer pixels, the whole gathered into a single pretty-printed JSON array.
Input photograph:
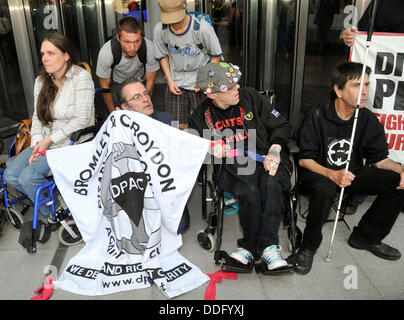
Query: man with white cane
[{"x": 324, "y": 141}]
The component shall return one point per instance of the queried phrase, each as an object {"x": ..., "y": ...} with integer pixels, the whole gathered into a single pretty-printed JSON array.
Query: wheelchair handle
[{"x": 77, "y": 134}]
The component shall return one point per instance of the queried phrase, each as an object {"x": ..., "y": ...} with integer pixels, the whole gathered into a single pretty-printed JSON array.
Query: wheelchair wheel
[
  {"x": 66, "y": 238},
  {"x": 15, "y": 218},
  {"x": 206, "y": 240}
]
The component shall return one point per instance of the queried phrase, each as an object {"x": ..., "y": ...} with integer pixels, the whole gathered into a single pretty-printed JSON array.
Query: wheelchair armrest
[
  {"x": 77, "y": 134},
  {"x": 293, "y": 147},
  {"x": 101, "y": 90}
]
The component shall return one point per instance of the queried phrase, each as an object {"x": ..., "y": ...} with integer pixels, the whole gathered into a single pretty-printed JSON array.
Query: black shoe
[
  {"x": 380, "y": 250},
  {"x": 302, "y": 261}
]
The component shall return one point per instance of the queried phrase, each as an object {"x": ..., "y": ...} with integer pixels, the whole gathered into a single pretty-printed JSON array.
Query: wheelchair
[
  {"x": 213, "y": 210},
  {"x": 14, "y": 205},
  {"x": 215, "y": 202}
]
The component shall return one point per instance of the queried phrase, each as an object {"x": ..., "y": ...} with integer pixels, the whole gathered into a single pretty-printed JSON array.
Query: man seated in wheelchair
[
  {"x": 245, "y": 121},
  {"x": 324, "y": 141},
  {"x": 133, "y": 96},
  {"x": 64, "y": 103}
]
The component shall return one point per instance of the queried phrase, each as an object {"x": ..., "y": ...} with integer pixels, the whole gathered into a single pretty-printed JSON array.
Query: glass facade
[
  {"x": 13, "y": 107},
  {"x": 290, "y": 46}
]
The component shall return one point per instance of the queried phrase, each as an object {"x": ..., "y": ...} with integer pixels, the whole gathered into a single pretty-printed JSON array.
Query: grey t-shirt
[
  {"x": 185, "y": 57},
  {"x": 127, "y": 67}
]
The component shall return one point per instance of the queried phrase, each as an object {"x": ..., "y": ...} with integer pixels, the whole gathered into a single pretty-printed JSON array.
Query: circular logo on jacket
[
  {"x": 337, "y": 154},
  {"x": 249, "y": 116}
]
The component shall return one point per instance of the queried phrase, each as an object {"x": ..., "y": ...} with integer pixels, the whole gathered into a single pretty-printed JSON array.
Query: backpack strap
[
  {"x": 164, "y": 31},
  {"x": 195, "y": 34},
  {"x": 116, "y": 53},
  {"x": 142, "y": 54}
]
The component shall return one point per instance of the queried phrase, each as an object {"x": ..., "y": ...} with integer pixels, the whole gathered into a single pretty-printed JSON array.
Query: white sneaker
[
  {"x": 273, "y": 258},
  {"x": 242, "y": 255}
]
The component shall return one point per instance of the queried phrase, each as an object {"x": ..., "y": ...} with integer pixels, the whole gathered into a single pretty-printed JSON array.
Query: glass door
[
  {"x": 83, "y": 24},
  {"x": 94, "y": 30},
  {"x": 80, "y": 20},
  {"x": 324, "y": 48},
  {"x": 229, "y": 21},
  {"x": 13, "y": 106},
  {"x": 42, "y": 17}
]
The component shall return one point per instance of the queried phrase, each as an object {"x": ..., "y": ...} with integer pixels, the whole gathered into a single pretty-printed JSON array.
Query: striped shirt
[{"x": 73, "y": 109}]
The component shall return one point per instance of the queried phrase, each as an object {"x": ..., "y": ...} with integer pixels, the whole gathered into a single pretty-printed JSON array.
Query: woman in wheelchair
[
  {"x": 64, "y": 103},
  {"x": 232, "y": 115}
]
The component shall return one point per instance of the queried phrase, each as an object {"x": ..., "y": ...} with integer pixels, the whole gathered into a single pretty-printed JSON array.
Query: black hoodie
[{"x": 324, "y": 137}]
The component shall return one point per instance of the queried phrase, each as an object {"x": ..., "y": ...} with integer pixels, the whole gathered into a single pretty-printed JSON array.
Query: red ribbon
[
  {"x": 230, "y": 153},
  {"x": 45, "y": 291},
  {"x": 40, "y": 152},
  {"x": 217, "y": 277}
]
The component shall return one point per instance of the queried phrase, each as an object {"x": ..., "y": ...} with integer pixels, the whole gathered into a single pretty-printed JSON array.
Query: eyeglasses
[{"x": 139, "y": 96}]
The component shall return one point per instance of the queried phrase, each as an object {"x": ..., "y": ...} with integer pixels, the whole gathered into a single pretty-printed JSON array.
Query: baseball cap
[
  {"x": 172, "y": 11},
  {"x": 217, "y": 77}
]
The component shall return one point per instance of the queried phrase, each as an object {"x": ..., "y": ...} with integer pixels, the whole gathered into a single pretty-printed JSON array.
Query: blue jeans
[{"x": 28, "y": 177}]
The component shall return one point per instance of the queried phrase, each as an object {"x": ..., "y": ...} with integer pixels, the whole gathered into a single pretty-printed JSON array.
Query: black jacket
[
  {"x": 271, "y": 127},
  {"x": 324, "y": 137},
  {"x": 389, "y": 16}
]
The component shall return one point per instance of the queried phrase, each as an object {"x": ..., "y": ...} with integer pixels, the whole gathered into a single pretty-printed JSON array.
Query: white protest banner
[
  {"x": 127, "y": 190},
  {"x": 386, "y": 94}
]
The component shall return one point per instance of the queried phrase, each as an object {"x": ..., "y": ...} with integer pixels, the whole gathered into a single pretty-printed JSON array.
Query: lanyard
[{"x": 208, "y": 118}]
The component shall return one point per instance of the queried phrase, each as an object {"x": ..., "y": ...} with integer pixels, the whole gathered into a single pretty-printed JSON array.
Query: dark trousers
[
  {"x": 377, "y": 221},
  {"x": 260, "y": 199}
]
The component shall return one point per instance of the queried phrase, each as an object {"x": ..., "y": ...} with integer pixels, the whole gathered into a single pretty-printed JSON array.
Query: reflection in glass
[
  {"x": 134, "y": 8},
  {"x": 71, "y": 25},
  {"x": 324, "y": 48},
  {"x": 284, "y": 54},
  {"x": 44, "y": 16},
  {"x": 91, "y": 26},
  {"x": 227, "y": 21},
  {"x": 13, "y": 106}
]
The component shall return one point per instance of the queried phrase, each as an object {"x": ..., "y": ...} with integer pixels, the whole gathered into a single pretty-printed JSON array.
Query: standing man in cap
[
  {"x": 244, "y": 119},
  {"x": 136, "y": 59},
  {"x": 183, "y": 43}
]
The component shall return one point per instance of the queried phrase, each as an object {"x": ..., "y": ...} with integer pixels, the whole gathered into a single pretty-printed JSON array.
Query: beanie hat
[
  {"x": 172, "y": 11},
  {"x": 217, "y": 77}
]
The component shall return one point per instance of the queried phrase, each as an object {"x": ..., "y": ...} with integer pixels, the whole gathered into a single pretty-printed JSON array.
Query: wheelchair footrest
[
  {"x": 232, "y": 265},
  {"x": 263, "y": 269}
]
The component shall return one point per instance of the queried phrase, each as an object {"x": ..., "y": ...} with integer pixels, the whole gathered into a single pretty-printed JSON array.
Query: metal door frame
[
  {"x": 302, "y": 14},
  {"x": 269, "y": 39},
  {"x": 4, "y": 86},
  {"x": 82, "y": 30},
  {"x": 249, "y": 45},
  {"x": 24, "y": 52}
]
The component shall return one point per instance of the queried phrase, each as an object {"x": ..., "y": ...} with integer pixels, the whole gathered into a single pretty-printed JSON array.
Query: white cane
[{"x": 368, "y": 40}]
